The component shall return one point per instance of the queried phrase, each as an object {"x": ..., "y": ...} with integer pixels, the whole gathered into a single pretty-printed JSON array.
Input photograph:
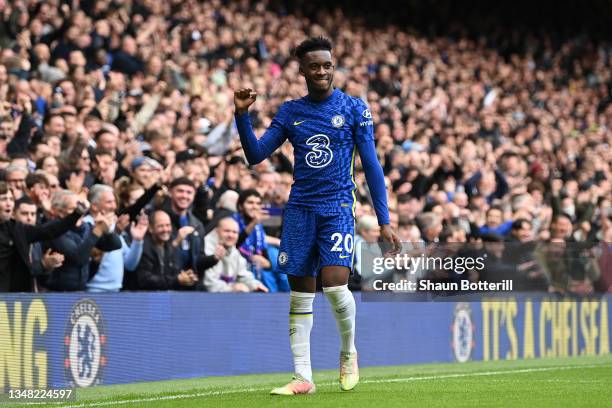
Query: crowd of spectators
[{"x": 128, "y": 105}]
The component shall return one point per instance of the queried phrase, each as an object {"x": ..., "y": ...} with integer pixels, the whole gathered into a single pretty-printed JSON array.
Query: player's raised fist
[{"x": 243, "y": 98}]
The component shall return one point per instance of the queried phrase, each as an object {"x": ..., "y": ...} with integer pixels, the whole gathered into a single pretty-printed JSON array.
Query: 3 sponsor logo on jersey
[
  {"x": 320, "y": 155},
  {"x": 338, "y": 121}
]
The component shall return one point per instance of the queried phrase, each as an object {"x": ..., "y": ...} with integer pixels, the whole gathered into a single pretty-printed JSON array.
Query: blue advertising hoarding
[{"x": 58, "y": 340}]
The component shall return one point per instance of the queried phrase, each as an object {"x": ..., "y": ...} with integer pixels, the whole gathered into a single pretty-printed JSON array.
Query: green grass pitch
[{"x": 558, "y": 382}]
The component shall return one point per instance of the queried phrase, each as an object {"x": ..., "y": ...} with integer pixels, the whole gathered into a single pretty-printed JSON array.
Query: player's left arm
[{"x": 364, "y": 139}]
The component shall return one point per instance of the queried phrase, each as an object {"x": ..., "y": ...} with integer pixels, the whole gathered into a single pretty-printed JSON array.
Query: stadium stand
[{"x": 475, "y": 129}]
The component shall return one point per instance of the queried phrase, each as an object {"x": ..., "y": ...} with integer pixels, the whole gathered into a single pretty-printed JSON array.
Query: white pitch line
[
  {"x": 387, "y": 380},
  {"x": 478, "y": 373}
]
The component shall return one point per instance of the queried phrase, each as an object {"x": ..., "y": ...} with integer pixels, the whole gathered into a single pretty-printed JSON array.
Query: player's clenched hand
[
  {"x": 243, "y": 98},
  {"x": 388, "y": 235}
]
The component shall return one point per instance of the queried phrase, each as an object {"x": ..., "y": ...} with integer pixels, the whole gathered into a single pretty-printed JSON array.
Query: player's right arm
[{"x": 256, "y": 150}]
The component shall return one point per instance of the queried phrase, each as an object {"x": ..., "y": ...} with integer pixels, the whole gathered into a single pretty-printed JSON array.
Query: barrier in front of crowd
[{"x": 58, "y": 340}]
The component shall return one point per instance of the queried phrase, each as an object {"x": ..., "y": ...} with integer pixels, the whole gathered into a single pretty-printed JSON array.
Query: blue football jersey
[{"x": 324, "y": 136}]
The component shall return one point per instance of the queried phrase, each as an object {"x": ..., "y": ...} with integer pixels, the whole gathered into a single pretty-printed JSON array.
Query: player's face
[{"x": 318, "y": 69}]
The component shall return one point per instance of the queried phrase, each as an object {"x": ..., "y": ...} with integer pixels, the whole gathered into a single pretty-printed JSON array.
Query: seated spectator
[
  {"x": 108, "y": 268},
  {"x": 76, "y": 245},
  {"x": 158, "y": 268},
  {"x": 230, "y": 274}
]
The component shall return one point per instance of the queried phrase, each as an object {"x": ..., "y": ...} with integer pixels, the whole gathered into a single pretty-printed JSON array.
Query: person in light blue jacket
[{"x": 111, "y": 265}]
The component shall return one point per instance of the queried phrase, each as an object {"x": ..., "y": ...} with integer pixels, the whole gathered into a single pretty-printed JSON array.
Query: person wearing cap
[
  {"x": 142, "y": 170},
  {"x": 186, "y": 155}
]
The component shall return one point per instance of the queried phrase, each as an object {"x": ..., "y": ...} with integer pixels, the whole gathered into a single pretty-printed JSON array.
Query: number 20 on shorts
[{"x": 340, "y": 240}]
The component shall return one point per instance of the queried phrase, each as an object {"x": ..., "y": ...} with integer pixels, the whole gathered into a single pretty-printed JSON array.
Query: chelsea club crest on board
[
  {"x": 462, "y": 333},
  {"x": 85, "y": 344}
]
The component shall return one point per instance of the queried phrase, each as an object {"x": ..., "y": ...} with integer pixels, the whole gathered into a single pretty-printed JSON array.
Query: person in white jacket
[{"x": 230, "y": 274}]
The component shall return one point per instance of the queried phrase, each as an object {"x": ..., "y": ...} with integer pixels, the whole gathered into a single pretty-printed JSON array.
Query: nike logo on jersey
[
  {"x": 296, "y": 123},
  {"x": 344, "y": 256}
]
